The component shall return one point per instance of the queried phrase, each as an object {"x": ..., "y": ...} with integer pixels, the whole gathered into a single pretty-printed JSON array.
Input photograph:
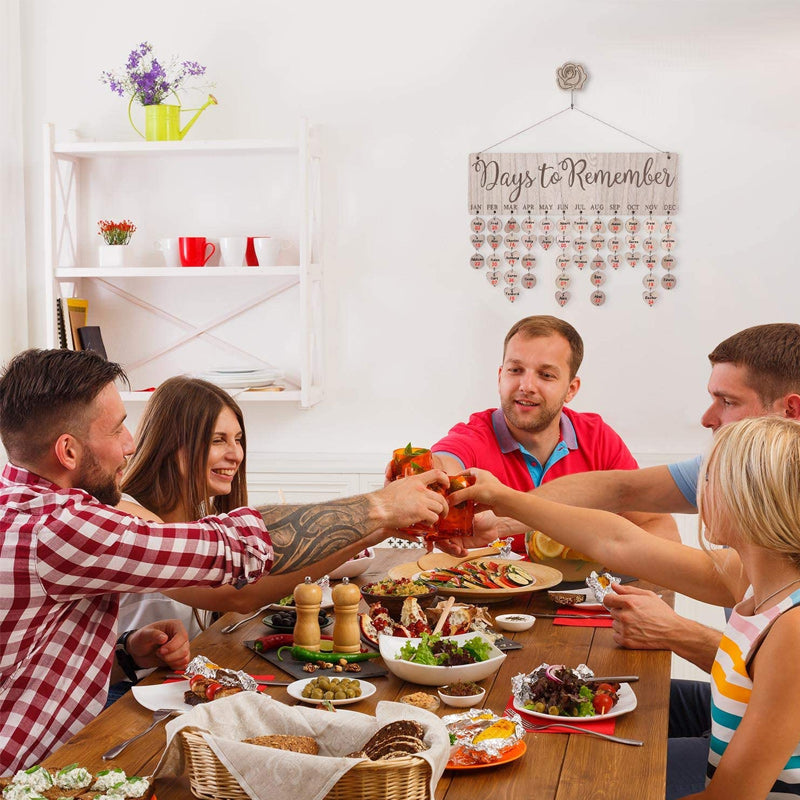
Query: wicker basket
[{"x": 395, "y": 779}]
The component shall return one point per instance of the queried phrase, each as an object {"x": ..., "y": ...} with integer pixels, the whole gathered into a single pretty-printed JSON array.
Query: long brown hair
[{"x": 175, "y": 431}]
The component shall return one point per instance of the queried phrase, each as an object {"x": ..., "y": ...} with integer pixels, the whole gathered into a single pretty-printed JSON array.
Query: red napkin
[
  {"x": 599, "y": 724},
  {"x": 564, "y": 614}
]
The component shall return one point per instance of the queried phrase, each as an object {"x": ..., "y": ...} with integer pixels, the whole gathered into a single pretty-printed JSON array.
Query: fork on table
[{"x": 532, "y": 727}]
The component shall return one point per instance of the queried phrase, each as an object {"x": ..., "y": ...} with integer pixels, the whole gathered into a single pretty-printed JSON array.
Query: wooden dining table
[{"x": 556, "y": 766}]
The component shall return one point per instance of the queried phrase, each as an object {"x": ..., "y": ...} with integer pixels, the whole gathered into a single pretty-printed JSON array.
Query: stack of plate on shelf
[{"x": 241, "y": 377}]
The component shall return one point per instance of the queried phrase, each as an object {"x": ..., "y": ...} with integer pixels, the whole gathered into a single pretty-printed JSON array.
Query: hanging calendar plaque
[{"x": 575, "y": 210}]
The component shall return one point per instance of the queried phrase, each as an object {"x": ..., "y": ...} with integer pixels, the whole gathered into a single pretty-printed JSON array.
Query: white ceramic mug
[
  {"x": 232, "y": 250},
  {"x": 169, "y": 250},
  {"x": 268, "y": 249}
]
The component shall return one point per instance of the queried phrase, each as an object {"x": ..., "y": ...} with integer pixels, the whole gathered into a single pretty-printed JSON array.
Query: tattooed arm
[
  {"x": 315, "y": 539},
  {"x": 303, "y": 535}
]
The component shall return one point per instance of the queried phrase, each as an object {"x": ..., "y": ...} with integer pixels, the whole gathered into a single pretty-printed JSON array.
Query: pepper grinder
[
  {"x": 307, "y": 600},
  {"x": 346, "y": 632}
]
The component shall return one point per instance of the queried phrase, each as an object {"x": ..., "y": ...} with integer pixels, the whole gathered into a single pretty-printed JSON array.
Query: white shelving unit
[{"x": 66, "y": 227}]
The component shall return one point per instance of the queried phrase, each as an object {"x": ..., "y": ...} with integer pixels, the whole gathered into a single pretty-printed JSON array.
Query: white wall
[{"x": 409, "y": 90}]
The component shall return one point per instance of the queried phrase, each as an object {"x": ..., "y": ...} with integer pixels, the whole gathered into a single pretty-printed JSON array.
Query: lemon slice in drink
[{"x": 545, "y": 547}]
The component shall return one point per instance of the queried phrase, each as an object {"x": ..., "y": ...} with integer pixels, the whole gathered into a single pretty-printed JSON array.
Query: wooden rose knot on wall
[{"x": 581, "y": 212}]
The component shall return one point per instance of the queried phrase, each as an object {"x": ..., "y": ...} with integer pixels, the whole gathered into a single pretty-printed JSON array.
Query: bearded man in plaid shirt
[{"x": 66, "y": 553}]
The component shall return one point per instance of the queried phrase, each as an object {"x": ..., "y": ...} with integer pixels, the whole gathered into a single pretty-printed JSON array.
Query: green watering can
[{"x": 162, "y": 122}]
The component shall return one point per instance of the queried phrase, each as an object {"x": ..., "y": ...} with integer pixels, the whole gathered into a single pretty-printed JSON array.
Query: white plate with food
[
  {"x": 296, "y": 690},
  {"x": 588, "y": 601},
  {"x": 327, "y": 601},
  {"x": 162, "y": 695},
  {"x": 625, "y": 704}
]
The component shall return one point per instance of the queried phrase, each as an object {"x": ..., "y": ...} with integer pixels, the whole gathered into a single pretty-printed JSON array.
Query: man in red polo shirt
[{"x": 533, "y": 438}]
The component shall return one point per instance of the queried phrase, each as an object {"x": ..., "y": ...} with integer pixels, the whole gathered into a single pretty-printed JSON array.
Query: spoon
[{"x": 448, "y": 607}]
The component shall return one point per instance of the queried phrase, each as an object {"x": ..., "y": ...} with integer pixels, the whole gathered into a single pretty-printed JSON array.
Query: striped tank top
[{"x": 731, "y": 687}]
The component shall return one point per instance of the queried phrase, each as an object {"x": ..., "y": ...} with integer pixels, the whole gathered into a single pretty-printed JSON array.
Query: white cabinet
[{"x": 158, "y": 321}]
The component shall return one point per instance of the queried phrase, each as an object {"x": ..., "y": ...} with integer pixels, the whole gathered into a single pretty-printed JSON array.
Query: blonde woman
[{"x": 749, "y": 501}]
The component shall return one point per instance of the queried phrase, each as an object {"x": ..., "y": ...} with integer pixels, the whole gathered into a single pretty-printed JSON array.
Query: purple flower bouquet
[{"x": 147, "y": 80}]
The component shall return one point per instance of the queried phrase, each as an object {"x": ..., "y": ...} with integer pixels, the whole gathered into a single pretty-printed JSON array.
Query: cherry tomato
[
  {"x": 212, "y": 689},
  {"x": 602, "y": 703},
  {"x": 605, "y": 688},
  {"x": 194, "y": 680}
]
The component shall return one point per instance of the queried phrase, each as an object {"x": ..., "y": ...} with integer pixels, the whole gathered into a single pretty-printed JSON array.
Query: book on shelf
[
  {"x": 61, "y": 323},
  {"x": 78, "y": 312},
  {"x": 90, "y": 339}
]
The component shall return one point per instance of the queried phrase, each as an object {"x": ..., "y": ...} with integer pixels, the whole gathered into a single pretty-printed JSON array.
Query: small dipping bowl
[
  {"x": 514, "y": 622},
  {"x": 461, "y": 701}
]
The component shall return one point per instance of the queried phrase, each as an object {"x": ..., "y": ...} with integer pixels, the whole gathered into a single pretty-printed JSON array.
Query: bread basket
[{"x": 406, "y": 778}]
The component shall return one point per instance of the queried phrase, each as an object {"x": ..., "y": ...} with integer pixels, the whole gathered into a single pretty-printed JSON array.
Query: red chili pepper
[{"x": 269, "y": 642}]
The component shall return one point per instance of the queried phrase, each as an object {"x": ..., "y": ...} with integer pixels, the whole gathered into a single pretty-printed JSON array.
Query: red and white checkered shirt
[{"x": 63, "y": 558}]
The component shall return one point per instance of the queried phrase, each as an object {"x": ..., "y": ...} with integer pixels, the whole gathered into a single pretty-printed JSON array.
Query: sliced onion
[{"x": 550, "y": 672}]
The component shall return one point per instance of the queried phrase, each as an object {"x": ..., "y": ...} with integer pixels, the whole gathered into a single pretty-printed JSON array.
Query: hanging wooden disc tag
[
  {"x": 614, "y": 261},
  {"x": 598, "y": 262},
  {"x": 476, "y": 261},
  {"x": 546, "y": 241},
  {"x": 511, "y": 277},
  {"x": 528, "y": 261},
  {"x": 495, "y": 224},
  {"x": 580, "y": 244},
  {"x": 668, "y": 226},
  {"x": 632, "y": 242},
  {"x": 649, "y": 245},
  {"x": 649, "y": 297},
  {"x": 668, "y": 281},
  {"x": 512, "y": 226},
  {"x": 511, "y": 293},
  {"x": 512, "y": 241},
  {"x": 580, "y": 260},
  {"x": 563, "y": 241},
  {"x": 493, "y": 276},
  {"x": 528, "y": 241},
  {"x": 668, "y": 262},
  {"x": 668, "y": 243},
  {"x": 511, "y": 257},
  {"x": 477, "y": 240},
  {"x": 614, "y": 244},
  {"x": 546, "y": 225},
  {"x": 650, "y": 261},
  {"x": 615, "y": 225},
  {"x": 632, "y": 225},
  {"x": 528, "y": 280},
  {"x": 562, "y": 298},
  {"x": 598, "y": 242},
  {"x": 563, "y": 261},
  {"x": 494, "y": 261},
  {"x": 597, "y": 226},
  {"x": 597, "y": 297},
  {"x": 528, "y": 224},
  {"x": 650, "y": 224},
  {"x": 563, "y": 280},
  {"x": 649, "y": 281},
  {"x": 494, "y": 240},
  {"x": 580, "y": 224},
  {"x": 632, "y": 259},
  {"x": 477, "y": 224},
  {"x": 562, "y": 225},
  {"x": 597, "y": 278}
]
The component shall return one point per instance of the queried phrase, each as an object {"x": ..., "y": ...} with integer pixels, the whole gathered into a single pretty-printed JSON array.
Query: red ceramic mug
[{"x": 194, "y": 251}]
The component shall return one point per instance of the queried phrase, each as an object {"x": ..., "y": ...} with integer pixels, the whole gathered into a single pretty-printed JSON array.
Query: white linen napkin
[{"x": 265, "y": 773}]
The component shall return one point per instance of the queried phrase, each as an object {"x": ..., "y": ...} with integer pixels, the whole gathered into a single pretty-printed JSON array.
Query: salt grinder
[
  {"x": 346, "y": 632},
  {"x": 307, "y": 600}
]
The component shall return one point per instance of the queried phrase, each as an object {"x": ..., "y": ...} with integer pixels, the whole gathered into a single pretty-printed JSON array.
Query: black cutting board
[{"x": 369, "y": 669}]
